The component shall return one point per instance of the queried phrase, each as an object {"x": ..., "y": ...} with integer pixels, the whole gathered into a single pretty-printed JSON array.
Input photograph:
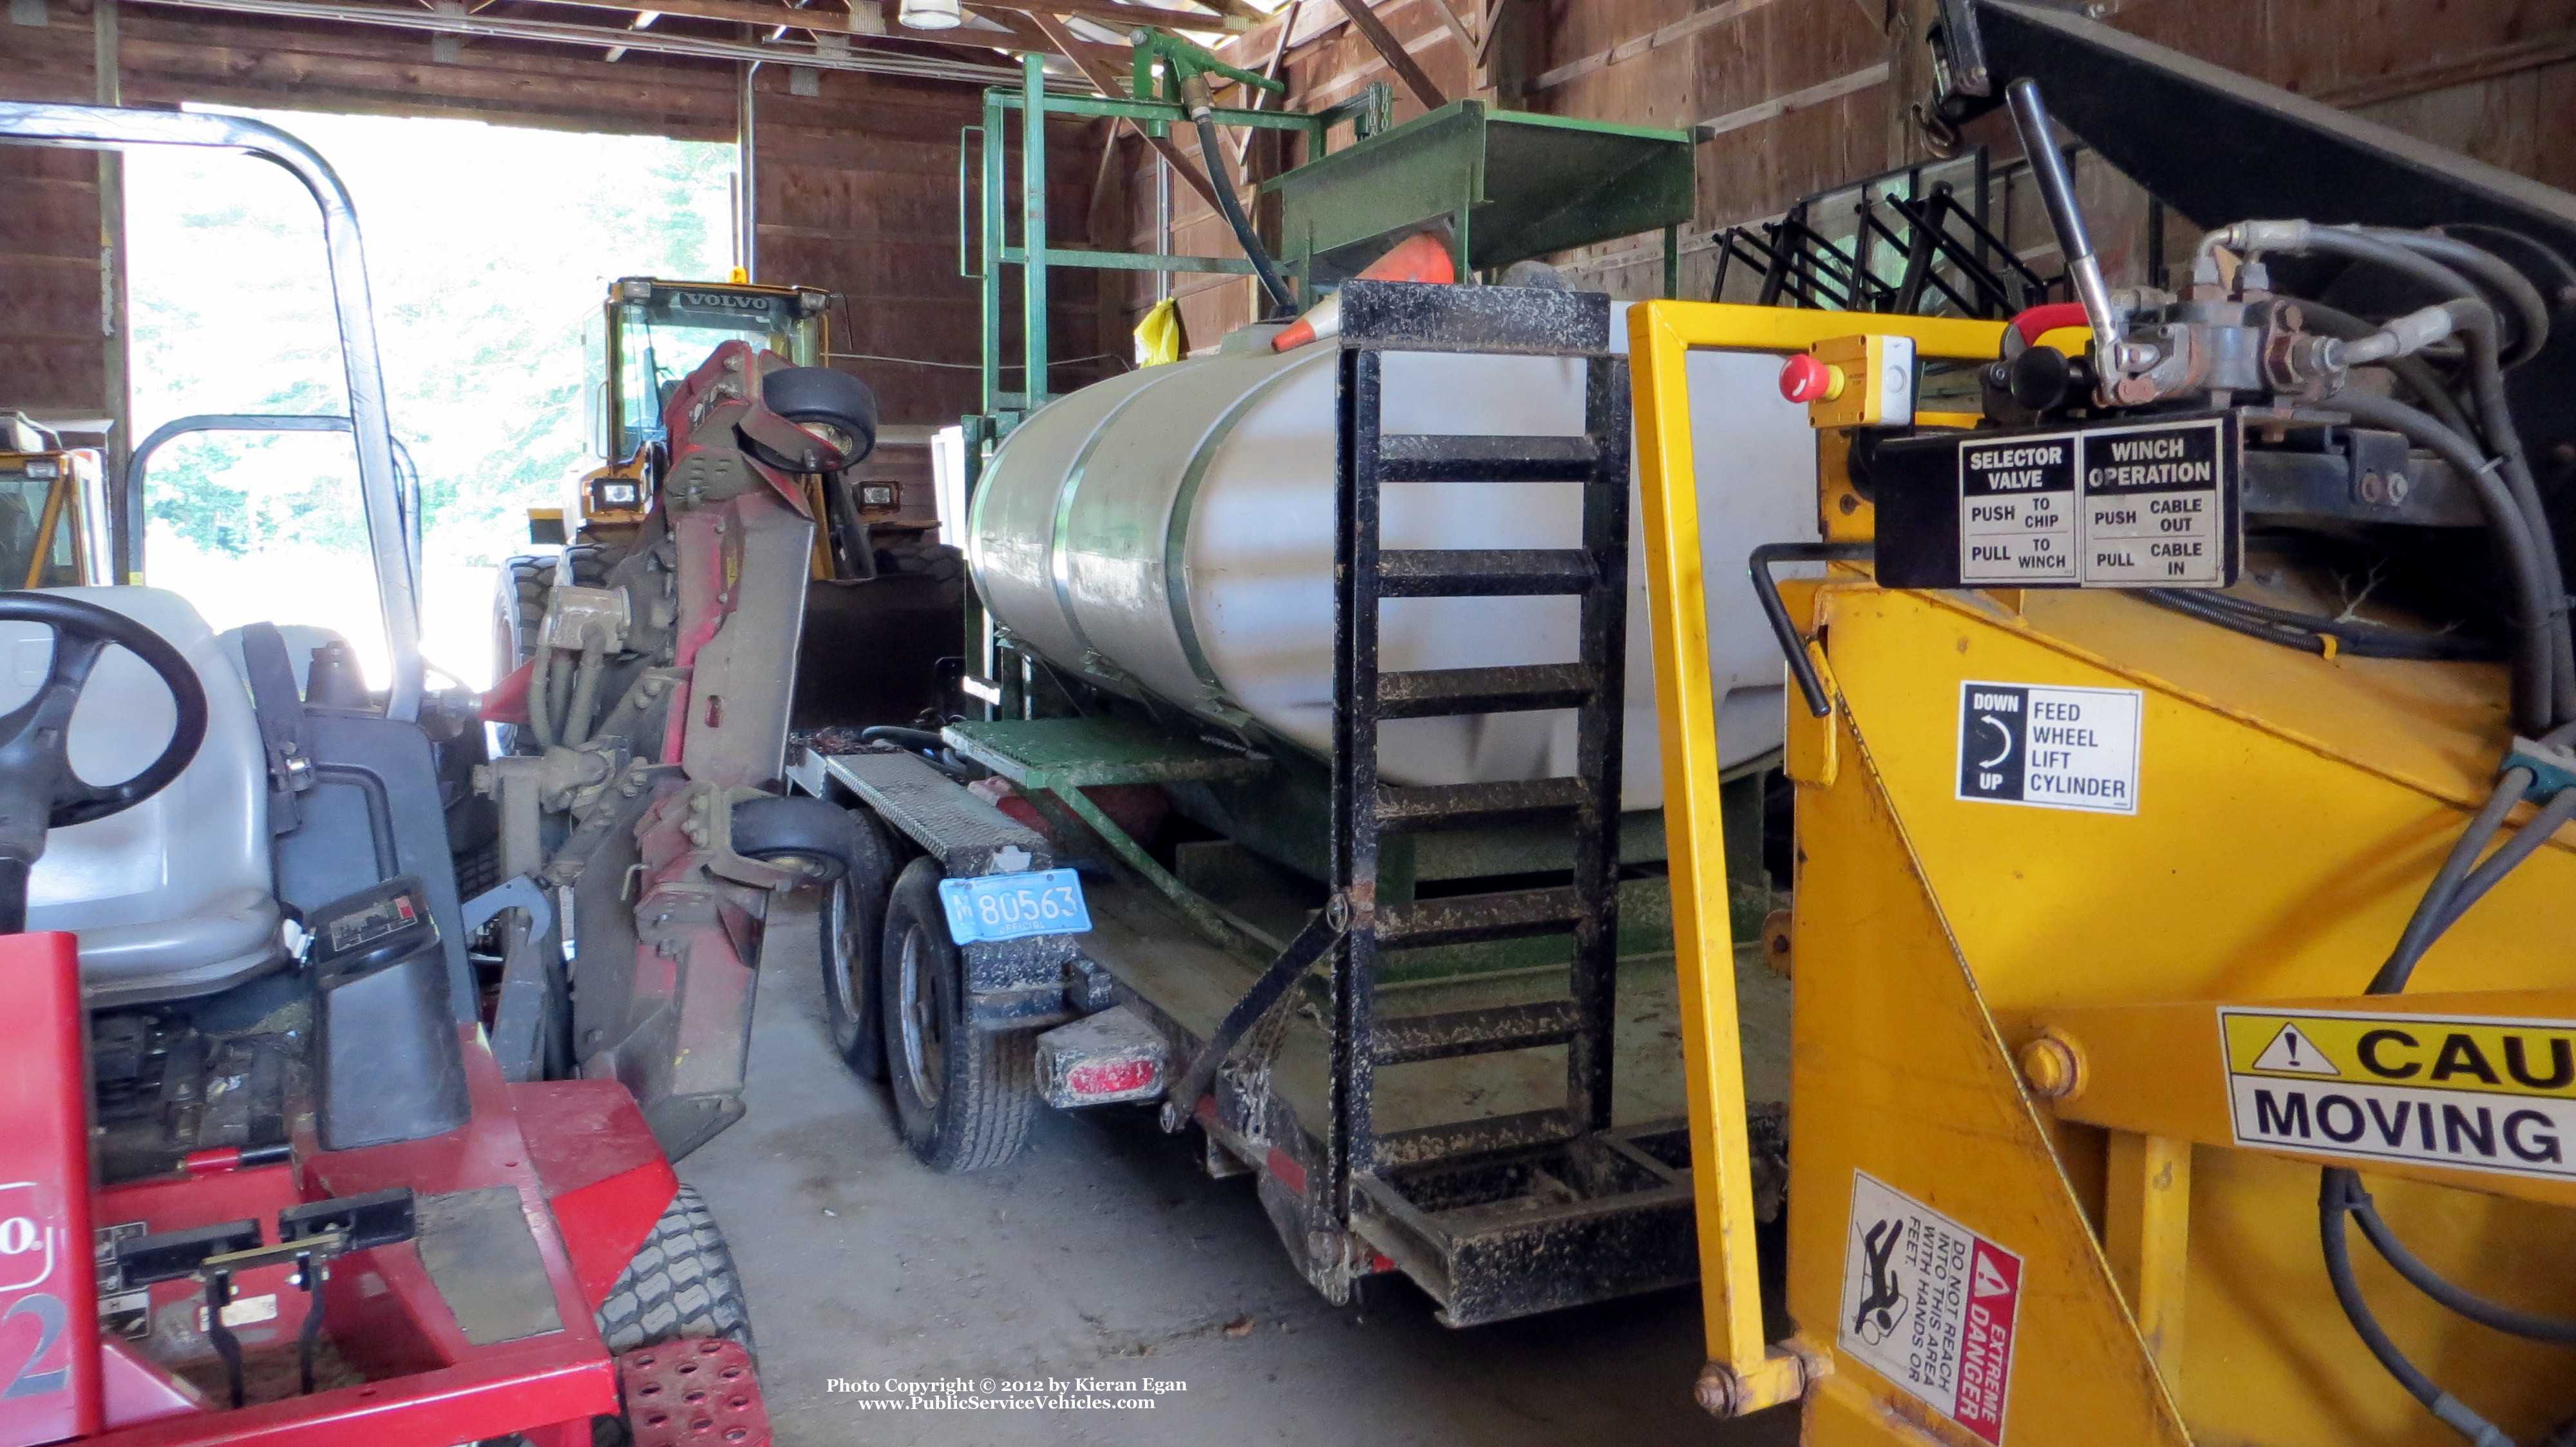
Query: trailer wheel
[
  {"x": 680, "y": 1286},
  {"x": 964, "y": 1096},
  {"x": 851, "y": 921}
]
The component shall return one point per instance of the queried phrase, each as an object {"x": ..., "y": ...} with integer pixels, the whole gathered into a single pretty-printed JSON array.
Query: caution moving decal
[
  {"x": 1931, "y": 1305},
  {"x": 2472, "y": 1094}
]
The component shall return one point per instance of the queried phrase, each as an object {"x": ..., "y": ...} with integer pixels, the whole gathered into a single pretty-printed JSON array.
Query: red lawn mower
[{"x": 265, "y": 1175}]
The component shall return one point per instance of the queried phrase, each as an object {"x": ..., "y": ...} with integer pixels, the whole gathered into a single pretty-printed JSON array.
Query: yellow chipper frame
[{"x": 2184, "y": 943}]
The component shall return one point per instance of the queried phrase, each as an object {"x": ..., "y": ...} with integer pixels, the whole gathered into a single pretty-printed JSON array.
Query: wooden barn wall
[
  {"x": 856, "y": 184},
  {"x": 857, "y": 190},
  {"x": 1798, "y": 97},
  {"x": 55, "y": 358}
]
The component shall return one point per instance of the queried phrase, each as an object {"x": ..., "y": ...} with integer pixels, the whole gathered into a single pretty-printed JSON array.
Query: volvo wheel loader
[
  {"x": 2181, "y": 737},
  {"x": 886, "y": 590}
]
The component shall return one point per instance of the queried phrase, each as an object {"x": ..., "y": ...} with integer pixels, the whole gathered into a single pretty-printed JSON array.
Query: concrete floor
[{"x": 1105, "y": 1252}]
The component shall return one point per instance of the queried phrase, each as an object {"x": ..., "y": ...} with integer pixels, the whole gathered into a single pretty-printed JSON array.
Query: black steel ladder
[{"x": 1380, "y": 317}]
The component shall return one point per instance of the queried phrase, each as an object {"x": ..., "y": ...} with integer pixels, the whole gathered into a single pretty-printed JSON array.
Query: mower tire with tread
[{"x": 681, "y": 1286}]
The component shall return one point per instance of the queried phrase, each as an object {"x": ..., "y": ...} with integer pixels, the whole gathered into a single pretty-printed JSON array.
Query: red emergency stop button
[{"x": 1804, "y": 378}]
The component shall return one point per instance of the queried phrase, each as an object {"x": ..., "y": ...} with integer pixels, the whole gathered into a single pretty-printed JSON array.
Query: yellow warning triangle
[{"x": 2295, "y": 1054}]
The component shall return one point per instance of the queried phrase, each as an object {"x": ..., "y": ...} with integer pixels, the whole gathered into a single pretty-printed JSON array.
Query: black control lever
[{"x": 2057, "y": 192}]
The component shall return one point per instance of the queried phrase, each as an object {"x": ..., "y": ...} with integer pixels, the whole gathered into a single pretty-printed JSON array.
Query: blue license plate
[{"x": 1015, "y": 906}]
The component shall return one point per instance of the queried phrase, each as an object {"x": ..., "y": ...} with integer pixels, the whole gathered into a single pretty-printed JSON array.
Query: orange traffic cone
[{"x": 1423, "y": 256}]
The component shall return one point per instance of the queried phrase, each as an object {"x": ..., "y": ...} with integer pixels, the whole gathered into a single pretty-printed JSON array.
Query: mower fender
[{"x": 606, "y": 1178}]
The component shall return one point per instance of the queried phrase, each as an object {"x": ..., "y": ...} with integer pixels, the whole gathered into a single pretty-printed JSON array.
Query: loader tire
[
  {"x": 518, "y": 610},
  {"x": 964, "y": 1097},
  {"x": 681, "y": 1286},
  {"x": 519, "y": 606}
]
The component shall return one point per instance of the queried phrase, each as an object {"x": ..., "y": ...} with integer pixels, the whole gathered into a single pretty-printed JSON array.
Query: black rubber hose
[
  {"x": 1221, "y": 178},
  {"x": 2433, "y": 912},
  {"x": 2430, "y": 1282},
  {"x": 2335, "y": 1195},
  {"x": 2537, "y": 643},
  {"x": 921, "y": 740},
  {"x": 2414, "y": 371},
  {"x": 2483, "y": 332},
  {"x": 2486, "y": 375},
  {"x": 2334, "y": 1201},
  {"x": 2307, "y": 631},
  {"x": 2502, "y": 281},
  {"x": 2525, "y": 842}
]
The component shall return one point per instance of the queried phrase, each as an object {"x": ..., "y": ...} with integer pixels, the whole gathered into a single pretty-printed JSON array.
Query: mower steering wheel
[{"x": 38, "y": 790}]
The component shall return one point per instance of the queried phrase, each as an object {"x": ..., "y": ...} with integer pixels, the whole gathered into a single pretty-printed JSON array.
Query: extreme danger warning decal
[
  {"x": 1931, "y": 1305},
  {"x": 2059, "y": 748},
  {"x": 2473, "y": 1094}
]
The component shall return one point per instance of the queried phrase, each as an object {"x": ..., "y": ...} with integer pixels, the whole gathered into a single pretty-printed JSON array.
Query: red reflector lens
[{"x": 1113, "y": 1078}]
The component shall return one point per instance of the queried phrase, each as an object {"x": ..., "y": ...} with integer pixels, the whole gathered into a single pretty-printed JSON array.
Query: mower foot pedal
[{"x": 700, "y": 1393}]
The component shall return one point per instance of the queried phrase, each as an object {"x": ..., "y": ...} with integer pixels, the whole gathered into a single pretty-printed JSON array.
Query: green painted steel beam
[
  {"x": 1131, "y": 260},
  {"x": 1164, "y": 111}
]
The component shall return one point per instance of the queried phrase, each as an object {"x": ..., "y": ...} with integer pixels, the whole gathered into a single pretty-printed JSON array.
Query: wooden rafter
[
  {"x": 1392, "y": 51},
  {"x": 1113, "y": 13},
  {"x": 1104, "y": 77},
  {"x": 739, "y": 12}
]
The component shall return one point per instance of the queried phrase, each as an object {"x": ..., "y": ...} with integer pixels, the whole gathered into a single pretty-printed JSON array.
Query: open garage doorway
[{"x": 489, "y": 248}]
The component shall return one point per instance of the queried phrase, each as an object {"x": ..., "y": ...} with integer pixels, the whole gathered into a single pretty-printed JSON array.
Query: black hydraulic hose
[
  {"x": 2357, "y": 246},
  {"x": 2433, "y": 912},
  {"x": 541, "y": 687},
  {"x": 1221, "y": 178},
  {"x": 2486, "y": 375},
  {"x": 2307, "y": 632},
  {"x": 2538, "y": 646},
  {"x": 2526, "y": 841},
  {"x": 924, "y": 740},
  {"x": 2425, "y": 1279},
  {"x": 2409, "y": 253},
  {"x": 2414, "y": 371},
  {"x": 2501, "y": 279},
  {"x": 2335, "y": 1195},
  {"x": 2454, "y": 889},
  {"x": 2334, "y": 1201}
]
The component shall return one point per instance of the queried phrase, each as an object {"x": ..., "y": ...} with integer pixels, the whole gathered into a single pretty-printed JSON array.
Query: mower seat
[{"x": 174, "y": 897}]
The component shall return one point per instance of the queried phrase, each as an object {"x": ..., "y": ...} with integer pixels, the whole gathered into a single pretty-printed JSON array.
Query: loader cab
[
  {"x": 651, "y": 334},
  {"x": 53, "y": 510}
]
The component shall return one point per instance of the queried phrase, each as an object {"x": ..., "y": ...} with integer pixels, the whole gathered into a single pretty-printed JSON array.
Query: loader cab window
[
  {"x": 656, "y": 342},
  {"x": 51, "y": 521}
]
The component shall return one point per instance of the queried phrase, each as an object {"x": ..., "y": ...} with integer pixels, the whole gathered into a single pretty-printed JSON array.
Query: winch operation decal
[
  {"x": 2473, "y": 1094},
  {"x": 1931, "y": 1305},
  {"x": 2058, "y": 748},
  {"x": 2138, "y": 506}
]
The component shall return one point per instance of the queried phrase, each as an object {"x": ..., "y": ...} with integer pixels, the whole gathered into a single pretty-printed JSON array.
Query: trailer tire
[
  {"x": 681, "y": 1286},
  {"x": 963, "y": 1096},
  {"x": 850, "y": 925}
]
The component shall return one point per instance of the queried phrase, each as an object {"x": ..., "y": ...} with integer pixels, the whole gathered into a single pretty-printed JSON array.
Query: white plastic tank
[{"x": 1175, "y": 526}]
